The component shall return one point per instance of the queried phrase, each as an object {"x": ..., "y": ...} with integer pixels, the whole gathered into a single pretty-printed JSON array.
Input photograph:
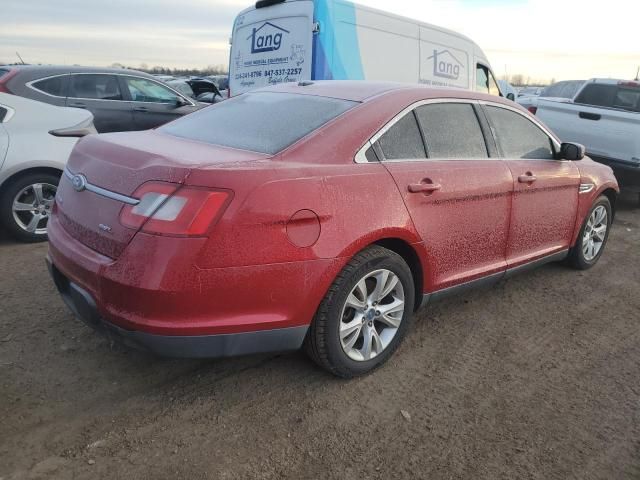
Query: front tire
[
  {"x": 365, "y": 314},
  {"x": 26, "y": 204},
  {"x": 593, "y": 236}
]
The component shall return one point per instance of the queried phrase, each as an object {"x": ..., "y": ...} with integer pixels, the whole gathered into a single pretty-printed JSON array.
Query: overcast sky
[{"x": 543, "y": 39}]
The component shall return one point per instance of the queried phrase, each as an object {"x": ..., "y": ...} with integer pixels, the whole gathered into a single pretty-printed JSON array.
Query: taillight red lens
[
  {"x": 533, "y": 109},
  {"x": 168, "y": 209},
  {"x": 5, "y": 78}
]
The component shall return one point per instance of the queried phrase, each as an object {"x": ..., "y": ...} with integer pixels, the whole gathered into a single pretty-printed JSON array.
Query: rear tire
[
  {"x": 35, "y": 190},
  {"x": 364, "y": 315},
  {"x": 593, "y": 236}
]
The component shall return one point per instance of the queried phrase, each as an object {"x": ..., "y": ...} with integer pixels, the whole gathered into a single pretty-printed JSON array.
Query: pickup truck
[{"x": 605, "y": 117}]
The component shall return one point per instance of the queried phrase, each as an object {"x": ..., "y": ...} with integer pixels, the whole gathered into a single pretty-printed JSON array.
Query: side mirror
[
  {"x": 511, "y": 97},
  {"x": 572, "y": 151}
]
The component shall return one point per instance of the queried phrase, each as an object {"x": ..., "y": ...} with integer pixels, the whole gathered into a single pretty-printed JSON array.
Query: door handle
[
  {"x": 527, "y": 178},
  {"x": 140, "y": 109},
  {"x": 424, "y": 187},
  {"x": 590, "y": 116},
  {"x": 78, "y": 105}
]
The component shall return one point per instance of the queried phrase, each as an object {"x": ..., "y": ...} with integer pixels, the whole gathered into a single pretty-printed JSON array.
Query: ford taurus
[{"x": 316, "y": 214}]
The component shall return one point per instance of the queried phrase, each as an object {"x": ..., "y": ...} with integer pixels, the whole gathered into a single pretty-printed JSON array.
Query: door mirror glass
[{"x": 572, "y": 151}]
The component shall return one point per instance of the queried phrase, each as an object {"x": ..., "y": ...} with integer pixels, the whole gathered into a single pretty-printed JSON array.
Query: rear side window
[
  {"x": 53, "y": 86},
  {"x": 265, "y": 122},
  {"x": 3, "y": 113},
  {"x": 519, "y": 137},
  {"x": 598, "y": 95},
  {"x": 403, "y": 140},
  {"x": 451, "y": 130},
  {"x": 98, "y": 87}
]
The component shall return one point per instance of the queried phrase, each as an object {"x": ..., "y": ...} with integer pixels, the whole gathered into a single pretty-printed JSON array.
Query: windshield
[{"x": 265, "y": 122}]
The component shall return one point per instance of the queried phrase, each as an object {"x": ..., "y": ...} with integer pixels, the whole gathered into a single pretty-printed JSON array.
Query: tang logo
[
  {"x": 446, "y": 65},
  {"x": 266, "y": 38}
]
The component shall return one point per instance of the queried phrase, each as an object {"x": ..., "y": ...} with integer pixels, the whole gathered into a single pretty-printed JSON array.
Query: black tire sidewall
[
  {"x": 578, "y": 257},
  {"x": 336, "y": 353},
  {"x": 6, "y": 204}
]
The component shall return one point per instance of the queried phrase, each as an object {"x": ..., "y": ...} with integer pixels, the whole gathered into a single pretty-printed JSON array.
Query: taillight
[
  {"x": 168, "y": 209},
  {"x": 533, "y": 109},
  {"x": 4, "y": 79}
]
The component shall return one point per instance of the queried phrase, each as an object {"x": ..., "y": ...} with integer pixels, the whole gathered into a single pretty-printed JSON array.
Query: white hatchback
[{"x": 35, "y": 142}]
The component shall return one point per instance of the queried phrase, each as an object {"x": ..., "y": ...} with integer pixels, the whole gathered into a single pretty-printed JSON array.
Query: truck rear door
[{"x": 271, "y": 45}]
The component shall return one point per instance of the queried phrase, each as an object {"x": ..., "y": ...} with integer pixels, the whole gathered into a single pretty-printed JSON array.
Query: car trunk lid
[{"x": 104, "y": 172}]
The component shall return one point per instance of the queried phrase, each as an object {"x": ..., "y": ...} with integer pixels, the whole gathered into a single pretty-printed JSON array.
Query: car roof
[
  {"x": 363, "y": 91},
  {"x": 47, "y": 70}
]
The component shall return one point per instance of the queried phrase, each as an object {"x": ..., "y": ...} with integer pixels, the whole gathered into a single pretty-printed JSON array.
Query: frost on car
[{"x": 318, "y": 214}]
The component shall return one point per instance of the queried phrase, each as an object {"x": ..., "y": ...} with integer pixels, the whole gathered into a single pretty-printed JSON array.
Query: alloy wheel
[
  {"x": 595, "y": 233},
  {"x": 32, "y": 206},
  {"x": 372, "y": 315}
]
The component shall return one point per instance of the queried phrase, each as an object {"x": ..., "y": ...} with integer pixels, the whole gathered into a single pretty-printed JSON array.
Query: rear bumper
[
  {"x": 84, "y": 307},
  {"x": 154, "y": 296}
]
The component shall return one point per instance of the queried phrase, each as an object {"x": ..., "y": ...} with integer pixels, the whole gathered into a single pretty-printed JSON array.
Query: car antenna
[
  {"x": 638, "y": 74},
  {"x": 20, "y": 58}
]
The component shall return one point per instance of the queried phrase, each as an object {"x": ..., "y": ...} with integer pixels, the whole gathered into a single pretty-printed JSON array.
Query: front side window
[
  {"x": 451, "y": 130},
  {"x": 3, "y": 113},
  {"x": 403, "y": 140},
  {"x": 265, "y": 122},
  {"x": 598, "y": 95},
  {"x": 519, "y": 137},
  {"x": 53, "y": 86},
  {"x": 485, "y": 82},
  {"x": 94, "y": 86},
  {"x": 143, "y": 90}
]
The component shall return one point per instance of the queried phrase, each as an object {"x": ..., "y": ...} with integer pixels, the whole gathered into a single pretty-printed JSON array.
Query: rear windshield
[
  {"x": 3, "y": 71},
  {"x": 263, "y": 122}
]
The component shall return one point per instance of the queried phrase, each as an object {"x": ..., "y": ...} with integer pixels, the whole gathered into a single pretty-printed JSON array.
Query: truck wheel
[
  {"x": 593, "y": 236},
  {"x": 365, "y": 314},
  {"x": 26, "y": 204}
]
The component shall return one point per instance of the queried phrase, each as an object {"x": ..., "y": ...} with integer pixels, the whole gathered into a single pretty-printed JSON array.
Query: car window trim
[
  {"x": 30, "y": 84},
  {"x": 545, "y": 130},
  {"x": 32, "y": 87},
  {"x": 360, "y": 156}
]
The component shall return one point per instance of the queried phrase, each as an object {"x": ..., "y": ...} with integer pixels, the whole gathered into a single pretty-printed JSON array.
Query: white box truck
[{"x": 279, "y": 41}]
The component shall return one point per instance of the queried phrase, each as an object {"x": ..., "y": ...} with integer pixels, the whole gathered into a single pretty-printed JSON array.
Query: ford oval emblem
[{"x": 79, "y": 182}]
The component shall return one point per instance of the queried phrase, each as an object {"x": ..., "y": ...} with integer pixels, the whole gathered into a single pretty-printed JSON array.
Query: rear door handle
[
  {"x": 590, "y": 116},
  {"x": 527, "y": 178},
  {"x": 78, "y": 105},
  {"x": 424, "y": 187},
  {"x": 140, "y": 109}
]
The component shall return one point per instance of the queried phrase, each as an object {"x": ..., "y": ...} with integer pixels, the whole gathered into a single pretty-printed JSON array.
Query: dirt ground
[{"x": 536, "y": 378}]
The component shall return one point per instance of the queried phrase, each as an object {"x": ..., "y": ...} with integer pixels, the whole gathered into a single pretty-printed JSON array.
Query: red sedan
[{"x": 320, "y": 214}]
